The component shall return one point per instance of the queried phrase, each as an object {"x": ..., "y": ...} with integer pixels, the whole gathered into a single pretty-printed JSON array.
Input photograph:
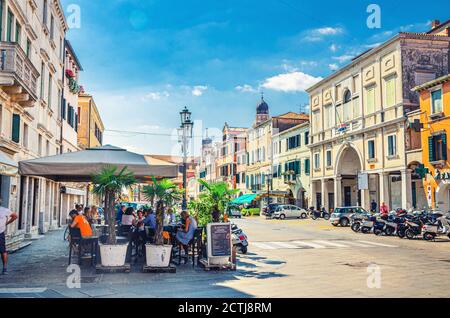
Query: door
[
  {"x": 331, "y": 201},
  {"x": 347, "y": 196},
  {"x": 414, "y": 194},
  {"x": 295, "y": 211},
  {"x": 318, "y": 200}
]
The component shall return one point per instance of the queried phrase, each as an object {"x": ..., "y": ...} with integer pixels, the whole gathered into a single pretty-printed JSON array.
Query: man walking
[
  {"x": 6, "y": 217},
  {"x": 373, "y": 206}
]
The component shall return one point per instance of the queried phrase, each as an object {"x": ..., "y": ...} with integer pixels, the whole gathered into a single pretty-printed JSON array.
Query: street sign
[{"x": 363, "y": 181}]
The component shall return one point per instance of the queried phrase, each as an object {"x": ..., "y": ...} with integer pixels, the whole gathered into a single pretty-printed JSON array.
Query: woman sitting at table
[
  {"x": 186, "y": 233},
  {"x": 94, "y": 214},
  {"x": 127, "y": 220}
]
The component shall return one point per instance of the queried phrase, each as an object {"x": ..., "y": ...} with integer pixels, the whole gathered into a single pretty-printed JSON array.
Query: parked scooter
[
  {"x": 356, "y": 221},
  {"x": 239, "y": 238},
  {"x": 319, "y": 214},
  {"x": 438, "y": 225},
  {"x": 373, "y": 224}
]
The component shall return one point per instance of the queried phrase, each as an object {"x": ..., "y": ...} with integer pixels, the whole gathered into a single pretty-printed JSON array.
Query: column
[
  {"x": 384, "y": 188},
  {"x": 365, "y": 199},
  {"x": 406, "y": 189},
  {"x": 325, "y": 203},
  {"x": 312, "y": 195},
  {"x": 24, "y": 203},
  {"x": 337, "y": 191}
]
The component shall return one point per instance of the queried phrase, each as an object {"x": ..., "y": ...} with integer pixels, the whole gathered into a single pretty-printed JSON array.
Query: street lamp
[{"x": 184, "y": 134}]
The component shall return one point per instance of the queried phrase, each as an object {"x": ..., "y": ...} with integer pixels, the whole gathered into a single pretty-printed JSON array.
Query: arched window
[{"x": 347, "y": 106}]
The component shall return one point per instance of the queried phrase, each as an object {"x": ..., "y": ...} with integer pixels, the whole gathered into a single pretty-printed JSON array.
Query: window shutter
[
  {"x": 63, "y": 108},
  {"x": 16, "y": 128},
  {"x": 307, "y": 166},
  {"x": 444, "y": 146},
  {"x": 430, "y": 149}
]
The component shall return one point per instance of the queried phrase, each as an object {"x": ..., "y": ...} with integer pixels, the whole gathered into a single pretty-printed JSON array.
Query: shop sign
[{"x": 442, "y": 175}]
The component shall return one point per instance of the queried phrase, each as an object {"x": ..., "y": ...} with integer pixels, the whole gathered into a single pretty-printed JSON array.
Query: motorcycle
[
  {"x": 413, "y": 226},
  {"x": 239, "y": 238},
  {"x": 319, "y": 214},
  {"x": 356, "y": 221},
  {"x": 438, "y": 225},
  {"x": 373, "y": 224}
]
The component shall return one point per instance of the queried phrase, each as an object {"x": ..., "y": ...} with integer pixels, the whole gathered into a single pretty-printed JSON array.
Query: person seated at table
[
  {"x": 139, "y": 233},
  {"x": 94, "y": 214},
  {"x": 80, "y": 222},
  {"x": 88, "y": 214},
  {"x": 169, "y": 217},
  {"x": 186, "y": 232},
  {"x": 150, "y": 220},
  {"x": 120, "y": 213}
]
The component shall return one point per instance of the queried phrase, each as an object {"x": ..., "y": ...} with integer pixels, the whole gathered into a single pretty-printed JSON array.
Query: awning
[
  {"x": 243, "y": 199},
  {"x": 79, "y": 166},
  {"x": 8, "y": 166}
]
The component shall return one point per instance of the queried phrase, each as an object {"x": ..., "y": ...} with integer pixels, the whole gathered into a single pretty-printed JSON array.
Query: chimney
[{"x": 435, "y": 23}]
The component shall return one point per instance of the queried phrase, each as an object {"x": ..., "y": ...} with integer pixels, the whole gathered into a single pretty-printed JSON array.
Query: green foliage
[
  {"x": 166, "y": 194},
  {"x": 109, "y": 184},
  {"x": 213, "y": 200},
  {"x": 250, "y": 211}
]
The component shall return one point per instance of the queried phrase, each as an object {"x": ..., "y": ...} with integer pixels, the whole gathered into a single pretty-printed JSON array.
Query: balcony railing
[{"x": 17, "y": 72}]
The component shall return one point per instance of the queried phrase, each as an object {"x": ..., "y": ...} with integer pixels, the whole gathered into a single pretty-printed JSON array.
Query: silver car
[{"x": 341, "y": 216}]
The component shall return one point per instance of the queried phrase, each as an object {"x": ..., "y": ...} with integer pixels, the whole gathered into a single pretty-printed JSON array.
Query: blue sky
[{"x": 145, "y": 59}]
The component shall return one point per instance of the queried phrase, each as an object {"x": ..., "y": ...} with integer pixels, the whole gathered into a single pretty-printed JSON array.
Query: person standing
[
  {"x": 384, "y": 210},
  {"x": 6, "y": 217},
  {"x": 373, "y": 206}
]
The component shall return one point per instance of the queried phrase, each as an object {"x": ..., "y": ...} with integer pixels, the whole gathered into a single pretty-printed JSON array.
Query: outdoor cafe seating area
[{"x": 81, "y": 248}]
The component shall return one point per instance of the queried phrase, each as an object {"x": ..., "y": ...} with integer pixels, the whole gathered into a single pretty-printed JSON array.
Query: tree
[
  {"x": 166, "y": 194},
  {"x": 109, "y": 184},
  {"x": 219, "y": 194}
]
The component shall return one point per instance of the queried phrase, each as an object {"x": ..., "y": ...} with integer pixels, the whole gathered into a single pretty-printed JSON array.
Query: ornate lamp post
[{"x": 184, "y": 134}]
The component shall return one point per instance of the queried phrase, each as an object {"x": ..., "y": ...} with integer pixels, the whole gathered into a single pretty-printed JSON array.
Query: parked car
[
  {"x": 268, "y": 210},
  {"x": 233, "y": 211},
  {"x": 341, "y": 216},
  {"x": 289, "y": 211}
]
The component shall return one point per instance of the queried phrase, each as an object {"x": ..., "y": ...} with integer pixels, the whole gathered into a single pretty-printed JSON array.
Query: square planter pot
[
  {"x": 158, "y": 255},
  {"x": 113, "y": 255}
]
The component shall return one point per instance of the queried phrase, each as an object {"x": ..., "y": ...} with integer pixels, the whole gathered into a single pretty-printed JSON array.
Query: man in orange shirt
[{"x": 79, "y": 221}]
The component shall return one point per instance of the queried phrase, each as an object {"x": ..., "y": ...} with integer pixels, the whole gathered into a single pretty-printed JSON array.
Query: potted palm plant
[
  {"x": 165, "y": 192},
  {"x": 109, "y": 183}
]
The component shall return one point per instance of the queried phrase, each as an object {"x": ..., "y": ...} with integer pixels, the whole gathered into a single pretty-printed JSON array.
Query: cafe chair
[
  {"x": 78, "y": 242},
  {"x": 194, "y": 247}
]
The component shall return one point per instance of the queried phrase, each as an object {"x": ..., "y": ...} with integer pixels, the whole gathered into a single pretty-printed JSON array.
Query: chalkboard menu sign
[{"x": 220, "y": 239}]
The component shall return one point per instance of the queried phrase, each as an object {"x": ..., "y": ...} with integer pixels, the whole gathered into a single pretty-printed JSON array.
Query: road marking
[
  {"x": 319, "y": 244},
  {"x": 378, "y": 244},
  {"x": 23, "y": 290},
  {"x": 310, "y": 244},
  {"x": 330, "y": 243},
  {"x": 285, "y": 245},
  {"x": 263, "y": 246}
]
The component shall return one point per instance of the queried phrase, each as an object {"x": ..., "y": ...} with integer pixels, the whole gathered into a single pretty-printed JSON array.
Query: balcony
[{"x": 18, "y": 76}]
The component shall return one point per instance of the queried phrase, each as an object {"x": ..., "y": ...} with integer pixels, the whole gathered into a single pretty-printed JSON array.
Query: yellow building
[
  {"x": 359, "y": 127},
  {"x": 90, "y": 125},
  {"x": 435, "y": 125}
]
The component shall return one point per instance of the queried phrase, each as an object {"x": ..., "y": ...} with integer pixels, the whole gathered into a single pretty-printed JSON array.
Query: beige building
[
  {"x": 90, "y": 124},
  {"x": 291, "y": 164},
  {"x": 31, "y": 91},
  {"x": 358, "y": 124}
]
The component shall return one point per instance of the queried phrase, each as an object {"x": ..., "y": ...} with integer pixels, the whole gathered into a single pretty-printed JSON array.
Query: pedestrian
[
  {"x": 119, "y": 214},
  {"x": 6, "y": 217},
  {"x": 384, "y": 210},
  {"x": 373, "y": 206},
  {"x": 79, "y": 208}
]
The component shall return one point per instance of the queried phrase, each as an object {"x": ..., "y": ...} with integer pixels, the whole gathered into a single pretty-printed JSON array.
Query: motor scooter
[{"x": 239, "y": 239}]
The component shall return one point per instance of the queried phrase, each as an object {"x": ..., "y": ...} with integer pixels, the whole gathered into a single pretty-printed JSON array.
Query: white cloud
[
  {"x": 245, "y": 88},
  {"x": 328, "y": 31},
  {"x": 343, "y": 58},
  {"x": 290, "y": 82},
  {"x": 333, "y": 67},
  {"x": 155, "y": 96},
  {"x": 199, "y": 90},
  {"x": 333, "y": 47}
]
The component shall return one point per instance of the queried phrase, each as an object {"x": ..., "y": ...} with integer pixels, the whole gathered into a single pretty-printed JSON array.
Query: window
[
  {"x": 356, "y": 84},
  {"x": 307, "y": 166},
  {"x": 329, "y": 163},
  {"x": 316, "y": 121},
  {"x": 347, "y": 108},
  {"x": 317, "y": 160},
  {"x": 338, "y": 92},
  {"x": 25, "y": 136},
  {"x": 50, "y": 84},
  {"x": 15, "y": 136},
  {"x": 9, "y": 26},
  {"x": 370, "y": 100},
  {"x": 293, "y": 142},
  {"x": 18, "y": 32},
  {"x": 390, "y": 91},
  {"x": 40, "y": 145},
  {"x": 306, "y": 137},
  {"x": 371, "y": 149},
  {"x": 47, "y": 148},
  {"x": 436, "y": 101},
  {"x": 52, "y": 27},
  {"x": 42, "y": 80},
  {"x": 339, "y": 114},
  {"x": 437, "y": 147},
  {"x": 28, "y": 49},
  {"x": 45, "y": 12},
  {"x": 356, "y": 112},
  {"x": 328, "y": 116},
  {"x": 392, "y": 145}
]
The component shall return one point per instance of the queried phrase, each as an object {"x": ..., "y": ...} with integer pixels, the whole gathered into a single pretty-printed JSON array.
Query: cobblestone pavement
[{"x": 290, "y": 258}]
